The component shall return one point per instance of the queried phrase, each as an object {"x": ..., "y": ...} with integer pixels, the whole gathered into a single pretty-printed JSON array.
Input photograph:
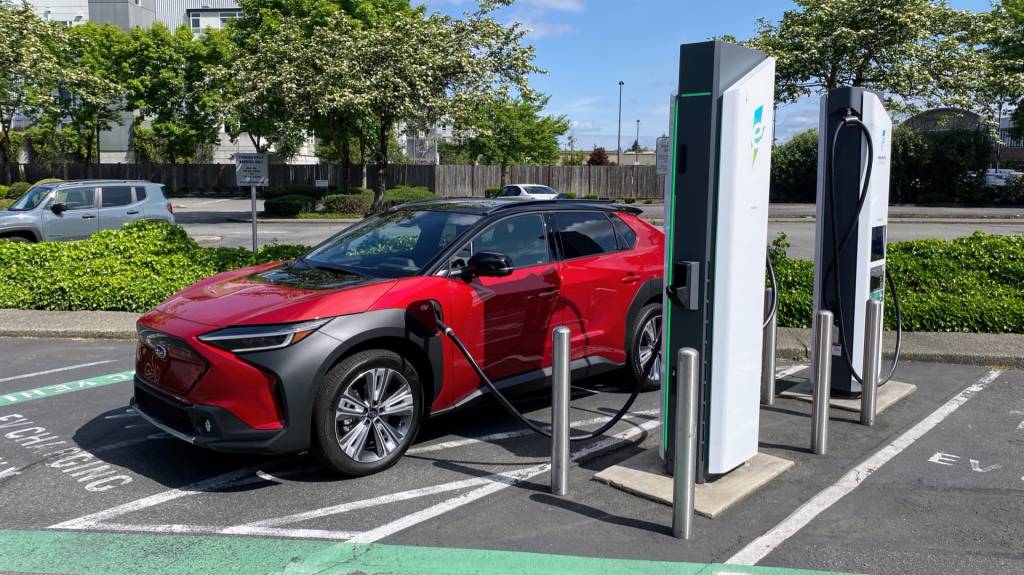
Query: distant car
[
  {"x": 77, "y": 209},
  {"x": 528, "y": 192},
  {"x": 998, "y": 178}
]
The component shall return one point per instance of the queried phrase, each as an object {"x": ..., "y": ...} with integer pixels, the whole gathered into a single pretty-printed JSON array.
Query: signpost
[
  {"x": 664, "y": 148},
  {"x": 251, "y": 170}
]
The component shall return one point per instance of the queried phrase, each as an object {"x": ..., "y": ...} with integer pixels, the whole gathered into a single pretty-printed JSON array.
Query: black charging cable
[
  {"x": 646, "y": 371},
  {"x": 838, "y": 246}
]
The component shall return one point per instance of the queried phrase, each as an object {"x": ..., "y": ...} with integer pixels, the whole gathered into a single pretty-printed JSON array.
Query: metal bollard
[
  {"x": 821, "y": 380},
  {"x": 768, "y": 355},
  {"x": 872, "y": 362},
  {"x": 685, "y": 456},
  {"x": 560, "y": 383}
]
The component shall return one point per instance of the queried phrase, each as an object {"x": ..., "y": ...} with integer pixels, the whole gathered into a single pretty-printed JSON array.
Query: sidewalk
[{"x": 997, "y": 350}]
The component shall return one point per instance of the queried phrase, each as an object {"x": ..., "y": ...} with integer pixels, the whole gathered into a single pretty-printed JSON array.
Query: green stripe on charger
[
  {"x": 62, "y": 388},
  {"x": 94, "y": 553}
]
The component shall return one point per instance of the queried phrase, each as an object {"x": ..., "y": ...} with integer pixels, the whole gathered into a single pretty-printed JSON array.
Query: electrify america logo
[{"x": 758, "y": 132}]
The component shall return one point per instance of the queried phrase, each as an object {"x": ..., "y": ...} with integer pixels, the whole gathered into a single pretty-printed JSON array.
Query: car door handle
[
  {"x": 630, "y": 278},
  {"x": 89, "y": 217},
  {"x": 547, "y": 294},
  {"x": 132, "y": 212}
]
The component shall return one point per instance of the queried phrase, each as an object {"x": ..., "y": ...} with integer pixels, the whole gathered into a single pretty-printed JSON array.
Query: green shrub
[
  {"x": 3, "y": 191},
  {"x": 492, "y": 192},
  {"x": 629, "y": 200},
  {"x": 288, "y": 206},
  {"x": 402, "y": 194},
  {"x": 282, "y": 191},
  {"x": 6, "y": 203},
  {"x": 795, "y": 169},
  {"x": 18, "y": 189},
  {"x": 569, "y": 195},
  {"x": 48, "y": 181},
  {"x": 131, "y": 269},
  {"x": 348, "y": 203},
  {"x": 648, "y": 201},
  {"x": 969, "y": 284},
  {"x": 591, "y": 197}
]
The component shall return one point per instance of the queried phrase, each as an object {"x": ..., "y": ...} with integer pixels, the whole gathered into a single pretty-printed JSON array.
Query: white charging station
[
  {"x": 717, "y": 223},
  {"x": 864, "y": 143}
]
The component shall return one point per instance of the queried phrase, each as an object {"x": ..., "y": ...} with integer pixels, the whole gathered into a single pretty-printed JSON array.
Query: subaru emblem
[{"x": 160, "y": 351}]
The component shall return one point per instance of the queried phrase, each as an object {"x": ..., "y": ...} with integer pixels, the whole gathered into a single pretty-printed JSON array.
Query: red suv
[{"x": 321, "y": 353}]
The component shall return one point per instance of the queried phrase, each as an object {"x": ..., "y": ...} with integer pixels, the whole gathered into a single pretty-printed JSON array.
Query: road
[
  {"x": 207, "y": 222},
  {"x": 934, "y": 487}
]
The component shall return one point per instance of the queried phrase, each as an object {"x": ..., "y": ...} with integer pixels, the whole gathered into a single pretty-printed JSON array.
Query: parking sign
[{"x": 251, "y": 170}]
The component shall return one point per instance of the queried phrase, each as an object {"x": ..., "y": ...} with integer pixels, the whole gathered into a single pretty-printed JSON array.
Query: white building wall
[
  {"x": 174, "y": 13},
  {"x": 70, "y": 11}
]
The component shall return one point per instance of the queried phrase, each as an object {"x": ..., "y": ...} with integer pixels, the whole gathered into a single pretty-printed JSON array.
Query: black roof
[{"x": 487, "y": 206}]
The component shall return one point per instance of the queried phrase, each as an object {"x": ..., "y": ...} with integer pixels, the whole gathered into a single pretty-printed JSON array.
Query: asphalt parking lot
[{"x": 935, "y": 487}]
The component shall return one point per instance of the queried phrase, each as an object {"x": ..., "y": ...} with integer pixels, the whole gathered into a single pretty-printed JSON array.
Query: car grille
[{"x": 169, "y": 413}]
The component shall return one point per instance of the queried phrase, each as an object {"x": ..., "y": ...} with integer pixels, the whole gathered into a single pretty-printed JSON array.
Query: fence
[{"x": 640, "y": 182}]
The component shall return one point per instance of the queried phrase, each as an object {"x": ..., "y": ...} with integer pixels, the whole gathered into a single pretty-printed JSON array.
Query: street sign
[
  {"x": 251, "y": 170},
  {"x": 664, "y": 155},
  {"x": 321, "y": 183}
]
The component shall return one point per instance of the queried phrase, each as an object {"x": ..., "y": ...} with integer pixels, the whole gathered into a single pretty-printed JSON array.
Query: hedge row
[
  {"x": 131, "y": 269},
  {"x": 969, "y": 284}
]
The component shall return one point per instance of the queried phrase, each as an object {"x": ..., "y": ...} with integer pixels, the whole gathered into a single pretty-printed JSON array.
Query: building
[
  {"x": 1008, "y": 150},
  {"x": 115, "y": 144}
]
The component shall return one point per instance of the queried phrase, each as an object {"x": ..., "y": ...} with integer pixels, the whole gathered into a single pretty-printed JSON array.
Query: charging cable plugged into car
[{"x": 426, "y": 315}]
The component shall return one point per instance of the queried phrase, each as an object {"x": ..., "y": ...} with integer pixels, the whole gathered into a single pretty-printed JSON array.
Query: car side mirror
[
  {"x": 58, "y": 208},
  {"x": 421, "y": 317},
  {"x": 489, "y": 264}
]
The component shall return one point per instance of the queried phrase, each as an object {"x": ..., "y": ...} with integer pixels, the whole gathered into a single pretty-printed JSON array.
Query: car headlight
[{"x": 262, "y": 337}]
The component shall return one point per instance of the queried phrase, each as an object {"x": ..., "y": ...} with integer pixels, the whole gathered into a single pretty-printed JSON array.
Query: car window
[
  {"x": 76, "y": 198},
  {"x": 541, "y": 190},
  {"x": 522, "y": 238},
  {"x": 509, "y": 192},
  {"x": 627, "y": 237},
  {"x": 585, "y": 234},
  {"x": 32, "y": 198},
  {"x": 140, "y": 193},
  {"x": 115, "y": 196}
]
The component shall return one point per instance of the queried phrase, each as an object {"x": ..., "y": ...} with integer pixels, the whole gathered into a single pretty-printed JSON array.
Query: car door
[
  {"x": 117, "y": 207},
  {"x": 597, "y": 284},
  {"x": 504, "y": 321},
  {"x": 77, "y": 220}
]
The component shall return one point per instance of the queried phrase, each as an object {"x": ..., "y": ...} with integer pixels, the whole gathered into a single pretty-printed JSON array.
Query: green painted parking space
[
  {"x": 143, "y": 554},
  {"x": 62, "y": 388}
]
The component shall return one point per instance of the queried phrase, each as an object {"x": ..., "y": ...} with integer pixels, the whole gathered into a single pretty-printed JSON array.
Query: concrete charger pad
[
  {"x": 888, "y": 395},
  {"x": 644, "y": 475}
]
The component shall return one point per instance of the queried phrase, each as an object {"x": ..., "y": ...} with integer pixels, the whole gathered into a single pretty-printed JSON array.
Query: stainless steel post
[
  {"x": 685, "y": 456},
  {"x": 872, "y": 362},
  {"x": 254, "y": 242},
  {"x": 768, "y": 354},
  {"x": 560, "y": 383},
  {"x": 821, "y": 380}
]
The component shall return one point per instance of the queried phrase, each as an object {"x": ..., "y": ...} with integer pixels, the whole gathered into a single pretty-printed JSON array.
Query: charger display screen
[{"x": 877, "y": 243}]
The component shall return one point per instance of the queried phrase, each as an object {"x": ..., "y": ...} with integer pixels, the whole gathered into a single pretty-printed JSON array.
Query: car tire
[
  {"x": 649, "y": 316},
  {"x": 359, "y": 445},
  {"x": 16, "y": 239}
]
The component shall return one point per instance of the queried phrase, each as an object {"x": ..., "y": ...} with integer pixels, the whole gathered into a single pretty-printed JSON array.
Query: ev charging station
[
  {"x": 716, "y": 215},
  {"x": 852, "y": 213}
]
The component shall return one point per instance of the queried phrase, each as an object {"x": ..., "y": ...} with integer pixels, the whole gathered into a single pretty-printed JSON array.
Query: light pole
[
  {"x": 618, "y": 152},
  {"x": 636, "y": 150}
]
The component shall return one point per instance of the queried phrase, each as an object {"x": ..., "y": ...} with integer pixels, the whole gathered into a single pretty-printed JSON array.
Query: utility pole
[
  {"x": 618, "y": 157},
  {"x": 636, "y": 150}
]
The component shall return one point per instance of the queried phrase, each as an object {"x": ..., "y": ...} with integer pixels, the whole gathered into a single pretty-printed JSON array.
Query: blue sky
[{"x": 587, "y": 46}]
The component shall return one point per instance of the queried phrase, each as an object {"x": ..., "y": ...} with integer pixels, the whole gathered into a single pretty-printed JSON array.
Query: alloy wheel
[
  {"x": 373, "y": 414},
  {"x": 648, "y": 337}
]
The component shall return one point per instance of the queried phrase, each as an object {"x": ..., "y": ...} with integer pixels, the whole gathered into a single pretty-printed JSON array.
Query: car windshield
[
  {"x": 31, "y": 199},
  {"x": 390, "y": 245}
]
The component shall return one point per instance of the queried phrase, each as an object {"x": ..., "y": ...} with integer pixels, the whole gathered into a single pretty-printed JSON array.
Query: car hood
[
  {"x": 274, "y": 293},
  {"x": 9, "y": 218}
]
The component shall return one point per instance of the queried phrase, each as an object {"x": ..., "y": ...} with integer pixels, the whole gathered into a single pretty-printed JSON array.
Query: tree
[
  {"x": 170, "y": 79},
  {"x": 573, "y": 157},
  {"x": 795, "y": 169},
  {"x": 88, "y": 98},
  {"x": 1008, "y": 57},
  {"x": 511, "y": 131},
  {"x": 29, "y": 68},
  {"x": 599, "y": 157},
  {"x": 417, "y": 70},
  {"x": 916, "y": 52}
]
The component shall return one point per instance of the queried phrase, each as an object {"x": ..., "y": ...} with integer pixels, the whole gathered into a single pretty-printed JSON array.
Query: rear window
[
  {"x": 140, "y": 193},
  {"x": 585, "y": 234},
  {"x": 116, "y": 196},
  {"x": 540, "y": 190},
  {"x": 627, "y": 237}
]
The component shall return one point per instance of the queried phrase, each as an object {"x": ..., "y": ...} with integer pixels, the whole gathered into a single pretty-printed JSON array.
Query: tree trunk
[
  {"x": 383, "y": 135},
  {"x": 346, "y": 164},
  {"x": 362, "y": 161}
]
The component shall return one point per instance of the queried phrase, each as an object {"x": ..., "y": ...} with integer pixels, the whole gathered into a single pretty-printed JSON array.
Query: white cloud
[
  {"x": 538, "y": 29},
  {"x": 559, "y": 5}
]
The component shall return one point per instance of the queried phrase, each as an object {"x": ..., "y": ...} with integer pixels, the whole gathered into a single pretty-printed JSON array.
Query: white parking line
[
  {"x": 518, "y": 433},
  {"x": 759, "y": 548},
  {"x": 788, "y": 371},
  {"x": 57, "y": 370}
]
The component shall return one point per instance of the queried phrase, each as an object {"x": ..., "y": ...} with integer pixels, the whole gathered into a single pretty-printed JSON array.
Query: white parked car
[
  {"x": 1001, "y": 177},
  {"x": 528, "y": 192}
]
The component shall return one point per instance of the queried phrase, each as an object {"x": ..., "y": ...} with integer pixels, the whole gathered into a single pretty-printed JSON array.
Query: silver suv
[{"x": 75, "y": 210}]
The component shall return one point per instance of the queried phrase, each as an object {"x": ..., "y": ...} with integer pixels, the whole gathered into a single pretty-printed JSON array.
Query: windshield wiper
[{"x": 333, "y": 268}]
